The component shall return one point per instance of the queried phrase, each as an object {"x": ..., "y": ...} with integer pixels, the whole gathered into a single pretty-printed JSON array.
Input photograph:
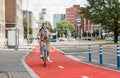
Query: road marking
[
  {"x": 108, "y": 53},
  {"x": 70, "y": 53},
  {"x": 84, "y": 77},
  {"x": 73, "y": 57},
  {"x": 81, "y": 56},
  {"x": 95, "y": 60},
  {"x": 61, "y": 67}
]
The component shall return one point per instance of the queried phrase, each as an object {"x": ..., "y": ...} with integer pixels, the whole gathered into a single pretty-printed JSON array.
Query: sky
[{"x": 52, "y": 6}]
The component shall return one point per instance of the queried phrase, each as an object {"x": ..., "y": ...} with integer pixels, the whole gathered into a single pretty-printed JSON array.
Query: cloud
[{"x": 52, "y": 6}]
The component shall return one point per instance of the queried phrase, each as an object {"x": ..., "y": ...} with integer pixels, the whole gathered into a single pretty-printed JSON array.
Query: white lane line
[
  {"x": 108, "y": 53},
  {"x": 96, "y": 61},
  {"x": 84, "y": 77},
  {"x": 71, "y": 53},
  {"x": 81, "y": 57},
  {"x": 73, "y": 57},
  {"x": 61, "y": 67}
]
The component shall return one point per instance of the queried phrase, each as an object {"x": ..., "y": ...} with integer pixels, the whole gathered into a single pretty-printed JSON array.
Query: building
[
  {"x": 30, "y": 17},
  {"x": 72, "y": 14},
  {"x": 41, "y": 20},
  {"x": 57, "y": 18},
  {"x": 2, "y": 22},
  {"x": 86, "y": 25},
  {"x": 42, "y": 17},
  {"x": 14, "y": 18}
]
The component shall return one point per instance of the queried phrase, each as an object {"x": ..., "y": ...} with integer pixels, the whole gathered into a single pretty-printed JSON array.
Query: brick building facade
[{"x": 72, "y": 14}]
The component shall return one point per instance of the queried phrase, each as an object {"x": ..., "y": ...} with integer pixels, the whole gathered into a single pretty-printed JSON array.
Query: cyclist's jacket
[{"x": 44, "y": 36}]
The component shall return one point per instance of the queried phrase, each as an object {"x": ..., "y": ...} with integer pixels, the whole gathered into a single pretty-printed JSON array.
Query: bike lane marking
[
  {"x": 84, "y": 77},
  {"x": 61, "y": 67}
]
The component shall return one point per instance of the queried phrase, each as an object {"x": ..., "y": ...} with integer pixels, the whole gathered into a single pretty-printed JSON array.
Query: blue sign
[{"x": 78, "y": 21}]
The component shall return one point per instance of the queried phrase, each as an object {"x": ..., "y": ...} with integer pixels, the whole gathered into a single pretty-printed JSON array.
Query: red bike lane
[{"x": 64, "y": 67}]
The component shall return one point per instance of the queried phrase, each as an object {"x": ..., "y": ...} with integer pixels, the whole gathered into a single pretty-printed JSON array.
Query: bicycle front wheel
[{"x": 45, "y": 58}]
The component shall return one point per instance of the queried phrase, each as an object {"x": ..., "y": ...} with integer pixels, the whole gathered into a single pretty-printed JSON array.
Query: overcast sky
[{"x": 52, "y": 6}]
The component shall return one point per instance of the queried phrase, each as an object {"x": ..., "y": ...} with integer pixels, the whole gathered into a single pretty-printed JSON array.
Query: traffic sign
[{"x": 78, "y": 21}]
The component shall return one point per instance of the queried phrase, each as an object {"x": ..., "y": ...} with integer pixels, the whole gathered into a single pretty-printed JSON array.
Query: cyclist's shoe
[
  {"x": 48, "y": 58},
  {"x": 41, "y": 56}
]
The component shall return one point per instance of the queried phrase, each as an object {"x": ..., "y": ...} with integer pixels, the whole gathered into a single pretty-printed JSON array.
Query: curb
[
  {"x": 77, "y": 59},
  {"x": 30, "y": 71}
]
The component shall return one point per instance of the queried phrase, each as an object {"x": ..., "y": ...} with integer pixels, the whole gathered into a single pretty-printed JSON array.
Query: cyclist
[{"x": 44, "y": 36}]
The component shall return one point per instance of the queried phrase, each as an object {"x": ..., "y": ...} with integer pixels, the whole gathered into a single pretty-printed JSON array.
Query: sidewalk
[
  {"x": 12, "y": 62},
  {"x": 65, "y": 67}
]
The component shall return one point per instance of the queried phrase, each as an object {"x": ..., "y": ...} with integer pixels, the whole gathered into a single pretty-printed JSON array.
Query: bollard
[
  {"x": 118, "y": 56},
  {"x": 101, "y": 59},
  {"x": 90, "y": 53}
]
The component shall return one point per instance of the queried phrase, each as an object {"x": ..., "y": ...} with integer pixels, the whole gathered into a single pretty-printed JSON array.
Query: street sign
[{"x": 78, "y": 21}]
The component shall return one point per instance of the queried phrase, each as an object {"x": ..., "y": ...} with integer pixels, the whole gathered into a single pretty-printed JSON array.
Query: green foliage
[
  {"x": 63, "y": 26},
  {"x": 26, "y": 29},
  {"x": 104, "y": 12}
]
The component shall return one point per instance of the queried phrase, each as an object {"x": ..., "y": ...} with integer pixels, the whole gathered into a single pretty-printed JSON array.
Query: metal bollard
[
  {"x": 118, "y": 56},
  {"x": 90, "y": 53},
  {"x": 101, "y": 58}
]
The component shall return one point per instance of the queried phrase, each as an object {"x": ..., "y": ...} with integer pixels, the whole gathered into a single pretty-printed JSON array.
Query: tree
[
  {"x": 104, "y": 12},
  {"x": 63, "y": 26},
  {"x": 26, "y": 29}
]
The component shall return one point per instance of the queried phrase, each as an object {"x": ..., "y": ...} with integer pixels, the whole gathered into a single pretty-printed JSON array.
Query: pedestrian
[{"x": 44, "y": 38}]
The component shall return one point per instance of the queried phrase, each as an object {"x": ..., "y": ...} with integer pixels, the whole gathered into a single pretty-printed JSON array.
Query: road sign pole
[{"x": 78, "y": 22}]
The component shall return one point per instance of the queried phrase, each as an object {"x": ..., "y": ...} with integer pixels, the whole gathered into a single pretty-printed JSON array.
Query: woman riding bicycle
[{"x": 44, "y": 36}]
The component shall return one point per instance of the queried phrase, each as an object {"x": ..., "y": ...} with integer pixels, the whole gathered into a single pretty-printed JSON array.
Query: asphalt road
[{"x": 80, "y": 51}]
